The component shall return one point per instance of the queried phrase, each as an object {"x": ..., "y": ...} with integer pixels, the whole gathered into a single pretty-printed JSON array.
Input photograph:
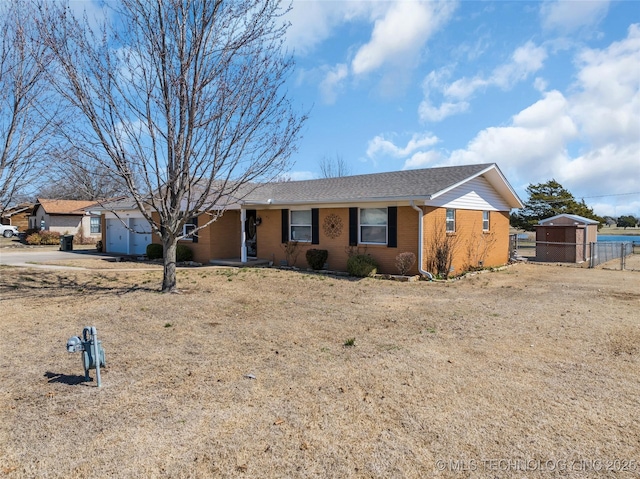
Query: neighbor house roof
[
  {"x": 64, "y": 207},
  {"x": 14, "y": 210}
]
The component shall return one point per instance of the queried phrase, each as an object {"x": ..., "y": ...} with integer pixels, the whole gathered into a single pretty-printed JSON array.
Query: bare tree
[
  {"x": 25, "y": 110},
  {"x": 71, "y": 176},
  {"x": 183, "y": 99},
  {"x": 334, "y": 167},
  {"x": 440, "y": 248}
]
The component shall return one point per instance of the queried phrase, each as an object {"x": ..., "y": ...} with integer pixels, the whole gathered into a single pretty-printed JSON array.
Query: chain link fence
[
  {"x": 608, "y": 251},
  {"x": 609, "y": 254}
]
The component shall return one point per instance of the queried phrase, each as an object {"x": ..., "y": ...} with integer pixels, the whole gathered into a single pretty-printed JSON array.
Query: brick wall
[
  {"x": 472, "y": 245},
  {"x": 270, "y": 240},
  {"x": 221, "y": 239}
]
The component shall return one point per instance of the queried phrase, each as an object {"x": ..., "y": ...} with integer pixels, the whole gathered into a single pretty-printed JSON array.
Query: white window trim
[
  {"x": 185, "y": 231},
  {"x": 360, "y": 225},
  {"x": 450, "y": 221},
  {"x": 292, "y": 224},
  {"x": 488, "y": 220},
  {"x": 91, "y": 220}
]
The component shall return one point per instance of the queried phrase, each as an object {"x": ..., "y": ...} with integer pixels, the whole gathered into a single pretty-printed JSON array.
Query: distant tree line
[{"x": 627, "y": 221}]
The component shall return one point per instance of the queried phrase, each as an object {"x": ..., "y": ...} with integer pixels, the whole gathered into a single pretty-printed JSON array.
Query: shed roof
[{"x": 574, "y": 218}]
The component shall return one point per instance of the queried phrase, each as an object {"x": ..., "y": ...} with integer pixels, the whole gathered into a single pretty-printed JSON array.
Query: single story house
[
  {"x": 565, "y": 238},
  {"x": 74, "y": 217},
  {"x": 18, "y": 216},
  {"x": 381, "y": 214}
]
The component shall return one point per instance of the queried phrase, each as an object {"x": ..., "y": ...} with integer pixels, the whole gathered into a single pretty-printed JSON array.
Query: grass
[{"x": 534, "y": 362}]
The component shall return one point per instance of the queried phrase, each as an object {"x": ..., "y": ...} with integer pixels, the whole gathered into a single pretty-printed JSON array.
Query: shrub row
[{"x": 43, "y": 237}]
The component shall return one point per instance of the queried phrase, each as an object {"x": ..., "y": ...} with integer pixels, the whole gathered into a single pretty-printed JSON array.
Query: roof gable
[
  {"x": 64, "y": 207},
  {"x": 422, "y": 184}
]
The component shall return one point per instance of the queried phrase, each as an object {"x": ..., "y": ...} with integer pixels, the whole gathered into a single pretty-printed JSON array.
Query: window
[
  {"x": 485, "y": 221},
  {"x": 301, "y": 225},
  {"x": 451, "y": 221},
  {"x": 188, "y": 227},
  {"x": 373, "y": 225},
  {"x": 95, "y": 225}
]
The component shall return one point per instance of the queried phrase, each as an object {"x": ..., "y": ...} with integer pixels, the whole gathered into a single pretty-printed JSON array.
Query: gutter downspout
[{"x": 420, "y": 240}]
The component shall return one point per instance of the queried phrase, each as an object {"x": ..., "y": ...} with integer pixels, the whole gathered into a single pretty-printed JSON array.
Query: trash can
[{"x": 66, "y": 243}]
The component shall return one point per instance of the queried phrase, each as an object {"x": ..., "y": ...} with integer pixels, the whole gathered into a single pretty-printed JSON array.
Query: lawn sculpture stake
[{"x": 91, "y": 350}]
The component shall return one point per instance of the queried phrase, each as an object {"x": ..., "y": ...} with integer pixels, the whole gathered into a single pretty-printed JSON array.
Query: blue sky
[{"x": 544, "y": 89}]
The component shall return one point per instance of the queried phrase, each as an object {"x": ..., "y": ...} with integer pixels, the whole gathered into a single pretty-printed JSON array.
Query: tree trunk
[{"x": 169, "y": 243}]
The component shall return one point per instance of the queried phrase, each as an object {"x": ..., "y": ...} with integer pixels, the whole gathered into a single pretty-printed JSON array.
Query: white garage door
[
  {"x": 138, "y": 241},
  {"x": 117, "y": 237}
]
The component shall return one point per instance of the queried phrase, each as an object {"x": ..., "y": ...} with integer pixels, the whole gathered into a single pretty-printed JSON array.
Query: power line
[{"x": 614, "y": 194}]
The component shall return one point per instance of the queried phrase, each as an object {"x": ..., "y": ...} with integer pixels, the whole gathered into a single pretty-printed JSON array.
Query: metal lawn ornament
[{"x": 92, "y": 352}]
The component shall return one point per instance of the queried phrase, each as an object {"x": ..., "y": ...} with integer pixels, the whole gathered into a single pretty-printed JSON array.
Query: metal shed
[{"x": 565, "y": 238}]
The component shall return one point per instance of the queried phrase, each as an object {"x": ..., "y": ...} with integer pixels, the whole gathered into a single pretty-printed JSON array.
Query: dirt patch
[{"x": 248, "y": 373}]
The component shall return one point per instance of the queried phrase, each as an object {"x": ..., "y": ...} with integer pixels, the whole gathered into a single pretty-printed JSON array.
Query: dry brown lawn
[{"x": 532, "y": 371}]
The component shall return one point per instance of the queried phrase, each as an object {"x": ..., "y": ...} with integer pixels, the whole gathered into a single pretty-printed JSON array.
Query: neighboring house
[
  {"x": 18, "y": 216},
  {"x": 565, "y": 238},
  {"x": 380, "y": 214},
  {"x": 72, "y": 217}
]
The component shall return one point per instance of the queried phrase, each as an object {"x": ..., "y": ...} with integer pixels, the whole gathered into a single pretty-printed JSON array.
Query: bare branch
[
  {"x": 184, "y": 100},
  {"x": 26, "y": 113},
  {"x": 334, "y": 167}
]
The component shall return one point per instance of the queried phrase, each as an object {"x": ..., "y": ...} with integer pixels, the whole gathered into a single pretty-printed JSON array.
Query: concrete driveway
[{"x": 25, "y": 257}]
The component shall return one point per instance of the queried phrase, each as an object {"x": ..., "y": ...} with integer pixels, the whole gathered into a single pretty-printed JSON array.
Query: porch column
[{"x": 243, "y": 236}]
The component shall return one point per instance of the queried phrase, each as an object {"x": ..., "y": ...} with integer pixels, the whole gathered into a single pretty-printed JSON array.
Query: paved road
[{"x": 25, "y": 257}]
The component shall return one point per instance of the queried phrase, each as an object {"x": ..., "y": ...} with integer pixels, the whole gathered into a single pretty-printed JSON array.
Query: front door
[{"x": 251, "y": 230}]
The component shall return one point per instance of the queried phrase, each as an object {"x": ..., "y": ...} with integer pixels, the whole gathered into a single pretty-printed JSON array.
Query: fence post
[
  {"x": 622, "y": 256},
  {"x": 591, "y": 254}
]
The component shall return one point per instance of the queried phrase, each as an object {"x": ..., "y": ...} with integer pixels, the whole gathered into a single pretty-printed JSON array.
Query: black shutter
[
  {"x": 353, "y": 226},
  {"x": 392, "y": 226},
  {"x": 285, "y": 226},
  {"x": 194, "y": 222},
  {"x": 315, "y": 226}
]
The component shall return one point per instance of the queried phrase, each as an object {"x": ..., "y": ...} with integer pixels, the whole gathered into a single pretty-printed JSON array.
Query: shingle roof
[
  {"x": 65, "y": 207},
  {"x": 391, "y": 186},
  {"x": 396, "y": 184}
]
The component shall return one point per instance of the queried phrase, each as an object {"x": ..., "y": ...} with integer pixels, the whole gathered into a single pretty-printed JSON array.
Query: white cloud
[
  {"x": 332, "y": 82},
  {"x": 607, "y": 104},
  {"x": 422, "y": 159},
  {"x": 401, "y": 34},
  {"x": 380, "y": 146},
  {"x": 400, "y": 30},
  {"x": 428, "y": 112},
  {"x": 525, "y": 60},
  {"x": 540, "y": 84},
  {"x": 567, "y": 16},
  {"x": 534, "y": 143},
  {"x": 600, "y": 118},
  {"x": 313, "y": 21}
]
